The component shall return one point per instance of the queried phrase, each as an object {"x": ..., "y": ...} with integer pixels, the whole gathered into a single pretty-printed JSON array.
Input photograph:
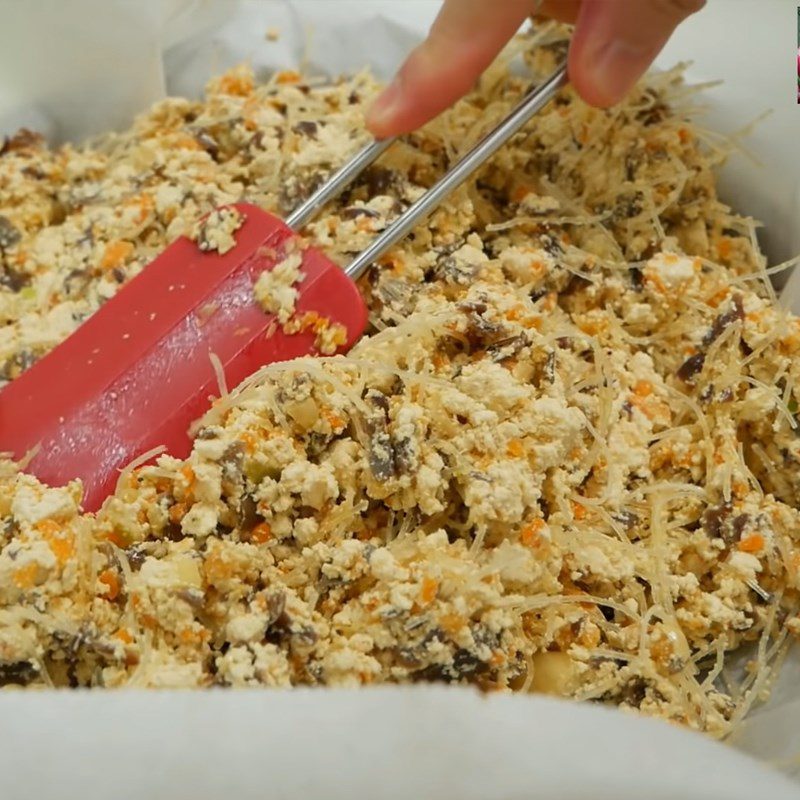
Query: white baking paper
[
  {"x": 391, "y": 743},
  {"x": 72, "y": 68}
]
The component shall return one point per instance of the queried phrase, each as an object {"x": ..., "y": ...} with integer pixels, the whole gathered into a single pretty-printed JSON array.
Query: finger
[
  {"x": 615, "y": 41},
  {"x": 561, "y": 10},
  {"x": 462, "y": 42}
]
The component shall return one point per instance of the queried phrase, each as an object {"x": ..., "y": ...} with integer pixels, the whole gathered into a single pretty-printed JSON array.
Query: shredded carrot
[
  {"x": 123, "y": 634},
  {"x": 116, "y": 253},
  {"x": 145, "y": 204},
  {"x": 177, "y": 512},
  {"x": 590, "y": 637},
  {"x": 651, "y": 407},
  {"x": 216, "y": 568},
  {"x": 532, "y": 322},
  {"x": 111, "y": 581},
  {"x": 117, "y": 537},
  {"x": 288, "y": 76},
  {"x": 333, "y": 419},
  {"x": 724, "y": 247},
  {"x": 515, "y": 448},
  {"x": 651, "y": 276},
  {"x": 531, "y": 533},
  {"x": 439, "y": 360},
  {"x": 428, "y": 591},
  {"x": 661, "y": 651},
  {"x": 548, "y": 302},
  {"x": 564, "y": 637},
  {"x": 482, "y": 460},
  {"x": 537, "y": 267},
  {"x": 660, "y": 456},
  {"x": 310, "y": 320},
  {"x": 520, "y": 192},
  {"x": 718, "y": 297},
  {"x": 452, "y": 623},
  {"x": 63, "y": 547},
  {"x": 752, "y": 544},
  {"x": 739, "y": 489},
  {"x": 25, "y": 577},
  {"x": 183, "y": 141},
  {"x": 47, "y": 527},
  {"x": 578, "y": 511},
  {"x": 188, "y": 473},
  {"x": 237, "y": 83},
  {"x": 61, "y": 542},
  {"x": 189, "y": 636},
  {"x": 261, "y": 533},
  {"x": 338, "y": 334},
  {"x": 593, "y": 323},
  {"x": 148, "y": 620},
  {"x": 498, "y": 658}
]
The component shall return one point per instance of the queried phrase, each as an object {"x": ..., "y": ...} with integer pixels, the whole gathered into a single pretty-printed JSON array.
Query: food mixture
[{"x": 565, "y": 459}]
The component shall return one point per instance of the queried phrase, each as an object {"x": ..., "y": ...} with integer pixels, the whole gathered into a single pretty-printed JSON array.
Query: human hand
[{"x": 614, "y": 42}]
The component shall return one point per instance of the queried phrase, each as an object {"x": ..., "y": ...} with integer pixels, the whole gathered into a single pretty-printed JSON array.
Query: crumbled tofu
[
  {"x": 564, "y": 457},
  {"x": 276, "y": 289},
  {"x": 216, "y": 231},
  {"x": 672, "y": 270}
]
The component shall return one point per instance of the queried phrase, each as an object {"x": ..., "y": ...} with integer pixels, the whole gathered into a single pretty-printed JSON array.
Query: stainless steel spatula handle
[
  {"x": 406, "y": 222},
  {"x": 480, "y": 153},
  {"x": 337, "y": 183}
]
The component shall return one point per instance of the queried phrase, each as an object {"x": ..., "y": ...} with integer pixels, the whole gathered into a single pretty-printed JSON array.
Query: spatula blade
[{"x": 138, "y": 372}]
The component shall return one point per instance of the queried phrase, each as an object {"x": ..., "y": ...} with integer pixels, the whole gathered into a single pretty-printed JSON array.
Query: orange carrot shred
[
  {"x": 430, "y": 586},
  {"x": 116, "y": 253},
  {"x": 531, "y": 533},
  {"x": 111, "y": 581},
  {"x": 752, "y": 544},
  {"x": 261, "y": 533}
]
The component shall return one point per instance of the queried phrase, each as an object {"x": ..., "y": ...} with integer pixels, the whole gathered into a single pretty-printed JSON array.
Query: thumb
[
  {"x": 615, "y": 41},
  {"x": 462, "y": 42}
]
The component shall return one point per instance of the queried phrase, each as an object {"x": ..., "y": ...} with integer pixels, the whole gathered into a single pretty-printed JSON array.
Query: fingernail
[
  {"x": 616, "y": 67},
  {"x": 383, "y": 109}
]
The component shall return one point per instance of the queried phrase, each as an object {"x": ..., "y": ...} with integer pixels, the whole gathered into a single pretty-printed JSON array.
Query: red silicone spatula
[{"x": 137, "y": 373}]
